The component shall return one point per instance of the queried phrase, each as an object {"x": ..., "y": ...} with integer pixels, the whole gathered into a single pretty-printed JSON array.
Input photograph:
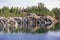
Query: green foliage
[
  {"x": 5, "y": 10},
  {"x": 40, "y": 10},
  {"x": 56, "y": 11},
  {"x": 40, "y": 5},
  {"x": 41, "y": 31},
  {"x": 56, "y": 27}
]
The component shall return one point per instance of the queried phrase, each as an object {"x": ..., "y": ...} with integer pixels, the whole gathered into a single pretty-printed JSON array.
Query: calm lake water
[{"x": 50, "y": 35}]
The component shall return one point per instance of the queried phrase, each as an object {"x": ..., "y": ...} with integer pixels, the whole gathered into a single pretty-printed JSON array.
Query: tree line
[{"x": 40, "y": 10}]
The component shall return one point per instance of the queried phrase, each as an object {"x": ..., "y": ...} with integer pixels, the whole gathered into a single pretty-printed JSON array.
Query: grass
[{"x": 13, "y": 15}]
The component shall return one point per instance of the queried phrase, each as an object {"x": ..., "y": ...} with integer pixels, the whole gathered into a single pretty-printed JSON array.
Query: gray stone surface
[{"x": 32, "y": 22}]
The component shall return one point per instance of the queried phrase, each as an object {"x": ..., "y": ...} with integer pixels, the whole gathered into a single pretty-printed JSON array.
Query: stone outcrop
[{"x": 32, "y": 22}]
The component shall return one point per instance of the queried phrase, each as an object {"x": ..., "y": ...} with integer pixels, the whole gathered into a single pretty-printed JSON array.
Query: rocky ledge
[{"x": 31, "y": 22}]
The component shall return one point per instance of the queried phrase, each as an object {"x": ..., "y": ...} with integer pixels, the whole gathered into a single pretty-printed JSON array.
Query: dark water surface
[{"x": 51, "y": 35}]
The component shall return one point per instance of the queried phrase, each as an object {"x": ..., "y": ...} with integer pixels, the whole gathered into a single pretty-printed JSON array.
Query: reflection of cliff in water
[
  {"x": 31, "y": 22},
  {"x": 56, "y": 27}
]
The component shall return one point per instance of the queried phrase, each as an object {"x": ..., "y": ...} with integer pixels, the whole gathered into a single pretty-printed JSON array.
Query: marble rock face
[
  {"x": 32, "y": 22},
  {"x": 44, "y": 22}
]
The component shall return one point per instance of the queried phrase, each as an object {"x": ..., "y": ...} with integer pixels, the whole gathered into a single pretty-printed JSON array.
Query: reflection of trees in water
[{"x": 56, "y": 27}]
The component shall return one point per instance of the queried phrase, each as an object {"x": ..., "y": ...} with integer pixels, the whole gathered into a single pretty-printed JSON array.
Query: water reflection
[{"x": 51, "y": 35}]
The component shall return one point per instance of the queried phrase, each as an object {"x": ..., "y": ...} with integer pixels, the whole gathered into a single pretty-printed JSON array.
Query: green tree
[
  {"x": 11, "y": 10},
  {"x": 5, "y": 10},
  {"x": 0, "y": 10},
  {"x": 14, "y": 10},
  {"x": 40, "y": 5},
  {"x": 56, "y": 11}
]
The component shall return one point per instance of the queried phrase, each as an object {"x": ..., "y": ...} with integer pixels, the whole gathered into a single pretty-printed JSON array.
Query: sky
[{"x": 24, "y": 3}]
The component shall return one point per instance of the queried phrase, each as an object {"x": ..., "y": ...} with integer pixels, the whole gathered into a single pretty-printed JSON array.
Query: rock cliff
[{"x": 31, "y": 22}]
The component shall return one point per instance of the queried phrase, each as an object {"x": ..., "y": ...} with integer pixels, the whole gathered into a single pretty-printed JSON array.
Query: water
[
  {"x": 50, "y": 35},
  {"x": 53, "y": 34}
]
